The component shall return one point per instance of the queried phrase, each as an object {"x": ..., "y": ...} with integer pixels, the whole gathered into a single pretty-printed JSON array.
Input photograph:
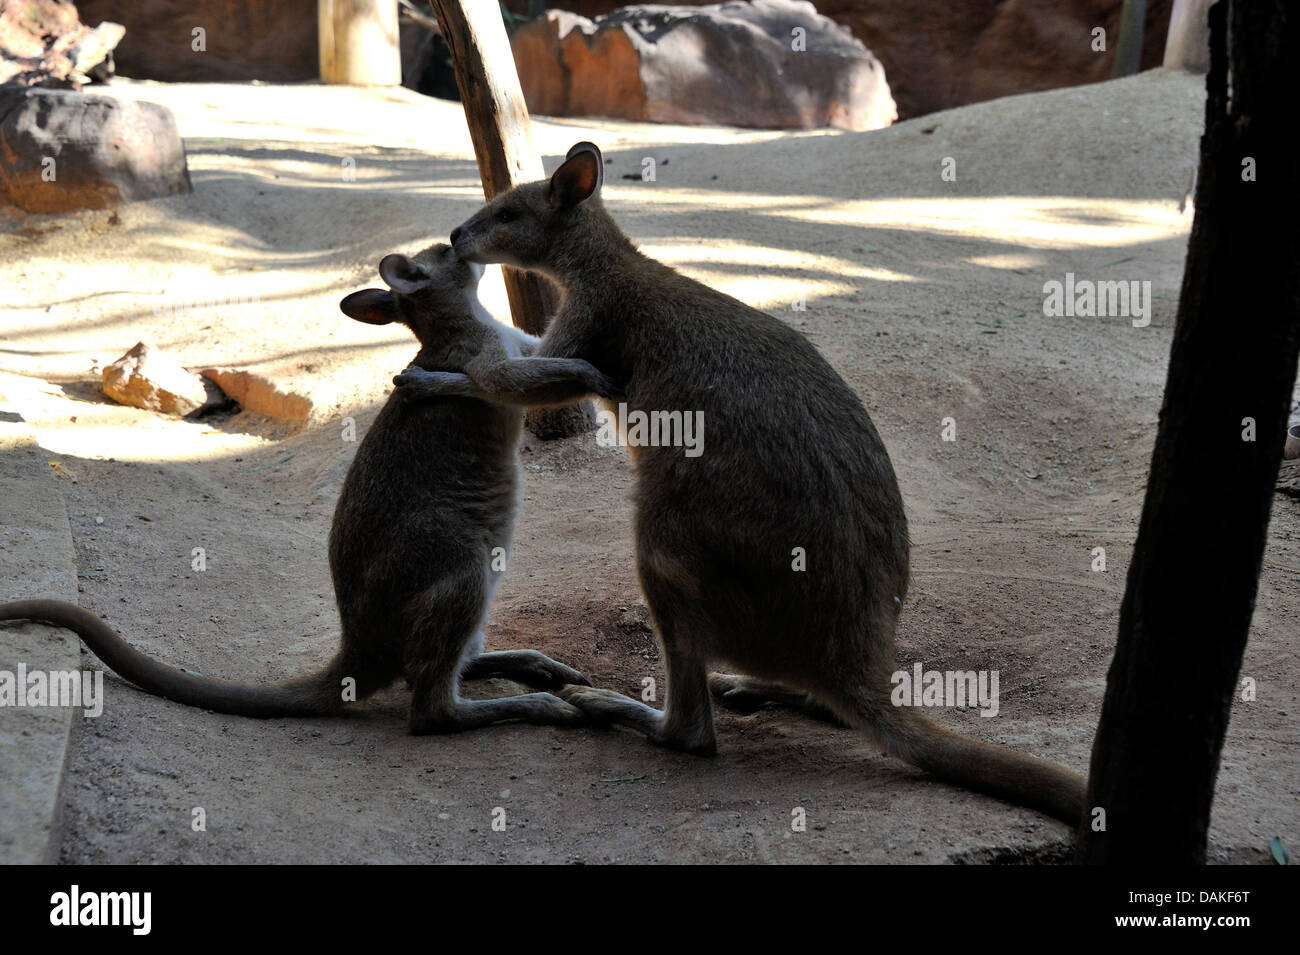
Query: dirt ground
[{"x": 925, "y": 294}]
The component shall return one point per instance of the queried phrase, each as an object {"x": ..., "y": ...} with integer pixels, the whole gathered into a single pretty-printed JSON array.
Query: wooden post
[
  {"x": 1187, "y": 45},
  {"x": 502, "y": 134},
  {"x": 1191, "y": 586},
  {"x": 359, "y": 42},
  {"x": 1128, "y": 47},
  {"x": 499, "y": 126}
]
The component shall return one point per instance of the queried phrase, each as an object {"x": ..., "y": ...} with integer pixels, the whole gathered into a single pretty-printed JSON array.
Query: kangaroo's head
[
  {"x": 434, "y": 294},
  {"x": 525, "y": 226}
]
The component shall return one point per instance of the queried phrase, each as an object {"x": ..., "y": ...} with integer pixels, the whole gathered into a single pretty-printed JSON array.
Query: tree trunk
[
  {"x": 358, "y": 42},
  {"x": 503, "y": 145},
  {"x": 1191, "y": 588},
  {"x": 1128, "y": 48}
]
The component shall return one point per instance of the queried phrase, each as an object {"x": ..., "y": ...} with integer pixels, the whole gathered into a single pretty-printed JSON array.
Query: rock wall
[
  {"x": 936, "y": 53},
  {"x": 272, "y": 40}
]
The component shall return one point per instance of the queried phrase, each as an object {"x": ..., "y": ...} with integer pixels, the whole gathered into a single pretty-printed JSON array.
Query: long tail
[
  {"x": 984, "y": 767},
  {"x": 317, "y": 695}
]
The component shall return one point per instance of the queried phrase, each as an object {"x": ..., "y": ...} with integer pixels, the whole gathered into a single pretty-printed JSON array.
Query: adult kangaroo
[{"x": 790, "y": 460}]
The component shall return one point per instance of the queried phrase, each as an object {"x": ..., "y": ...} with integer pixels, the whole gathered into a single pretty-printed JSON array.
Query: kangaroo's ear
[
  {"x": 405, "y": 276},
  {"x": 578, "y": 178},
  {"x": 372, "y": 306},
  {"x": 587, "y": 147}
]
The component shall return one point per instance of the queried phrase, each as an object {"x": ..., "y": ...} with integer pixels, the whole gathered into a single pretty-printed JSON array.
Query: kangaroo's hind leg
[
  {"x": 529, "y": 667},
  {"x": 686, "y": 721},
  {"x": 438, "y": 708},
  {"x": 444, "y": 621},
  {"x": 744, "y": 694}
]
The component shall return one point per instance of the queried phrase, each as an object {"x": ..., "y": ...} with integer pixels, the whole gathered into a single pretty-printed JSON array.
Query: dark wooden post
[
  {"x": 1191, "y": 588},
  {"x": 503, "y": 145}
]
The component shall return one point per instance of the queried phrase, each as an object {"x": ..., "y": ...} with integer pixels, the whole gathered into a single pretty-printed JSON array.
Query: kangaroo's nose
[{"x": 455, "y": 234}]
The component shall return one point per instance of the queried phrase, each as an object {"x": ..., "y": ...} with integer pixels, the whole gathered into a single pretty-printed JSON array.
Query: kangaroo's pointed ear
[
  {"x": 578, "y": 178},
  {"x": 372, "y": 306},
  {"x": 404, "y": 275},
  {"x": 587, "y": 147}
]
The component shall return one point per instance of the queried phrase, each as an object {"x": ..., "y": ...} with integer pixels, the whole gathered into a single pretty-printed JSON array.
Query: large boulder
[
  {"x": 939, "y": 53},
  {"x": 770, "y": 63},
  {"x": 62, "y": 150}
]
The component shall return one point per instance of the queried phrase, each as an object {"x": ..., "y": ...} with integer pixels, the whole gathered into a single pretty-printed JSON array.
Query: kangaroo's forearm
[
  {"x": 517, "y": 382},
  {"x": 539, "y": 382}
]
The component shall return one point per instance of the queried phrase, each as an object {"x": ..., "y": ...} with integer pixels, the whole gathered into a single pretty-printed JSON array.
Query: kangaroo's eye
[{"x": 506, "y": 215}]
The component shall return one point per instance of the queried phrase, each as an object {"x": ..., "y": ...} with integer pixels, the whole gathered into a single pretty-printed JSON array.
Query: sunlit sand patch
[
  {"x": 762, "y": 275},
  {"x": 70, "y": 425}
]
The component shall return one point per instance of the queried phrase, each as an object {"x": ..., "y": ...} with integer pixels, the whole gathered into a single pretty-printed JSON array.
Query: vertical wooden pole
[
  {"x": 1128, "y": 46},
  {"x": 1187, "y": 45},
  {"x": 1192, "y": 583},
  {"x": 359, "y": 42},
  {"x": 499, "y": 127},
  {"x": 502, "y": 134}
]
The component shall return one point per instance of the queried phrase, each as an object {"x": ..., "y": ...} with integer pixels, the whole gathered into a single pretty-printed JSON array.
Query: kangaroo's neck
[{"x": 596, "y": 252}]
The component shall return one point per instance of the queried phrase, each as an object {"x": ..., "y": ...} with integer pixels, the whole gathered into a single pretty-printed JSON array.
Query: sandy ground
[{"x": 925, "y": 294}]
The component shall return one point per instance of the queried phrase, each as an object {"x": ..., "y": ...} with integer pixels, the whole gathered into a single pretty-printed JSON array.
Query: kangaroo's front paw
[
  {"x": 409, "y": 379},
  {"x": 419, "y": 383}
]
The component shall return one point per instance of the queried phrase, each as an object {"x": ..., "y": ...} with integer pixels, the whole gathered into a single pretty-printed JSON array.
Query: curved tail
[
  {"x": 984, "y": 767},
  {"x": 317, "y": 695}
]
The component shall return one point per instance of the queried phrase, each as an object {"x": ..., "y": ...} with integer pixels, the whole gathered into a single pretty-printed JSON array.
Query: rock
[
  {"x": 739, "y": 64},
  {"x": 147, "y": 378},
  {"x": 43, "y": 43},
  {"x": 62, "y": 150},
  {"x": 256, "y": 393},
  {"x": 939, "y": 54}
]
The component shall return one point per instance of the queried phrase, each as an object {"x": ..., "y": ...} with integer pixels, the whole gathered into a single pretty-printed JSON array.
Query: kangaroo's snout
[{"x": 455, "y": 234}]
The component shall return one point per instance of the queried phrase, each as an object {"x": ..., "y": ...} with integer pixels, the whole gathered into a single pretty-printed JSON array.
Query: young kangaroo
[
  {"x": 427, "y": 500},
  {"x": 791, "y": 461}
]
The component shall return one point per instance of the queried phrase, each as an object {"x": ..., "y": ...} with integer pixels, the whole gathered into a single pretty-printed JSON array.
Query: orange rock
[
  {"x": 256, "y": 393},
  {"x": 147, "y": 378}
]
